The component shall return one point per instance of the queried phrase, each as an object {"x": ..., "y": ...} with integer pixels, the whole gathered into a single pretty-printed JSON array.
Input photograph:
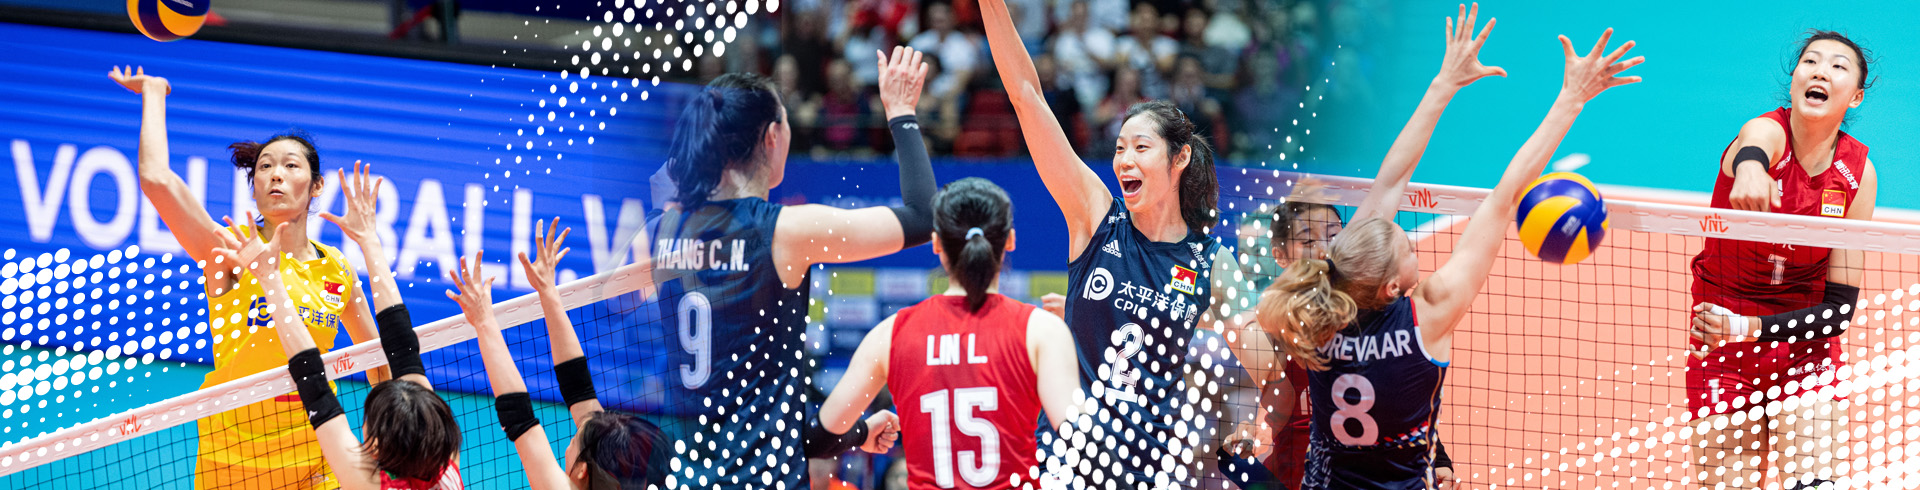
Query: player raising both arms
[
  {"x": 1302, "y": 230},
  {"x": 1374, "y": 409},
  {"x": 609, "y": 450}
]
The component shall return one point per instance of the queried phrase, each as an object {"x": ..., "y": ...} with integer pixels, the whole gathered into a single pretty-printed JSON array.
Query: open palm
[
  {"x": 547, "y": 253},
  {"x": 1593, "y": 73},
  {"x": 363, "y": 196},
  {"x": 241, "y": 247},
  {"x": 137, "y": 80},
  {"x": 1462, "y": 67}
]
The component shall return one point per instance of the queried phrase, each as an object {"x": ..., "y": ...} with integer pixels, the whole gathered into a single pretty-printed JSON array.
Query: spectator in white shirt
[
  {"x": 958, "y": 53},
  {"x": 1228, "y": 29},
  {"x": 1144, "y": 48},
  {"x": 1032, "y": 19},
  {"x": 1108, "y": 15},
  {"x": 1085, "y": 54}
]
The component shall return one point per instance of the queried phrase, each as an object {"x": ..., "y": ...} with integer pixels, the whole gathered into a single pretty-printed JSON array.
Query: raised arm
[
  {"x": 1057, "y": 363},
  {"x": 1460, "y": 67},
  {"x": 839, "y": 427},
  {"x": 1444, "y": 297},
  {"x": 1251, "y": 345},
  {"x": 337, "y": 442},
  {"x": 196, "y": 231},
  {"x": 813, "y": 234},
  {"x": 1082, "y": 197},
  {"x": 362, "y": 195},
  {"x": 569, "y": 359},
  {"x": 511, "y": 400}
]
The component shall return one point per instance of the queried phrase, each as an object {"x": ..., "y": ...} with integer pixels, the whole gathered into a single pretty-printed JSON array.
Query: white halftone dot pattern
[{"x": 56, "y": 295}]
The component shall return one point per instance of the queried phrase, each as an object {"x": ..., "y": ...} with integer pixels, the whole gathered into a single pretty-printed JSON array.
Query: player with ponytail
[{"x": 966, "y": 356}]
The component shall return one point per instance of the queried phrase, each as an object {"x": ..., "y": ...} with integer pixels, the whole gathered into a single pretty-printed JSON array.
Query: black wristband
[
  {"x": 576, "y": 383},
  {"x": 917, "y": 186},
  {"x": 310, "y": 376},
  {"x": 1825, "y": 320},
  {"x": 1440, "y": 458},
  {"x": 516, "y": 413},
  {"x": 822, "y": 443},
  {"x": 1751, "y": 154},
  {"x": 398, "y": 340}
]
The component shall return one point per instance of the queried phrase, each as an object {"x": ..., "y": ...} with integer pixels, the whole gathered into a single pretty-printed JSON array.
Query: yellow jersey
[{"x": 269, "y": 444}]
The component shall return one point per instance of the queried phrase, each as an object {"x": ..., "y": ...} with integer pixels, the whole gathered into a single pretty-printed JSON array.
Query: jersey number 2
[
  {"x": 696, "y": 336},
  {"x": 979, "y": 470},
  {"x": 1126, "y": 375},
  {"x": 1344, "y": 411}
]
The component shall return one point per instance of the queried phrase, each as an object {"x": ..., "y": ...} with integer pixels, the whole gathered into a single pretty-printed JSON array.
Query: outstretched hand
[
  {"x": 241, "y": 247},
  {"x": 475, "y": 295},
  {"x": 1589, "y": 75},
  {"x": 362, "y": 193},
  {"x": 135, "y": 78},
  {"x": 1461, "y": 66},
  {"x": 547, "y": 250},
  {"x": 901, "y": 78}
]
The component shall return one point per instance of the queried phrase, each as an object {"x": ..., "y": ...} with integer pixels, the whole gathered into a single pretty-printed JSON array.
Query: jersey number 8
[{"x": 1344, "y": 411}]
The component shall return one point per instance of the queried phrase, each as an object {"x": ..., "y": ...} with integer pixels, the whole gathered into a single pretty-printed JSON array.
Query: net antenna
[{"x": 79, "y": 439}]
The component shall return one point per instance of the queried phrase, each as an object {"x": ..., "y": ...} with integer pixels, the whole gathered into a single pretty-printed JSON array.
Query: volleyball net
[
  {"x": 1563, "y": 376},
  {"x": 157, "y": 445},
  {"x": 1574, "y": 376}
]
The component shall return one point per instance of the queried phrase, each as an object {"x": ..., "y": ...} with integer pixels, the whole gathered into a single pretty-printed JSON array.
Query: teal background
[{"x": 1710, "y": 67}]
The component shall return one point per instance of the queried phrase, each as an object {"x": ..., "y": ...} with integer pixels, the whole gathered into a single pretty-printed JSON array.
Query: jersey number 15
[{"x": 978, "y": 472}]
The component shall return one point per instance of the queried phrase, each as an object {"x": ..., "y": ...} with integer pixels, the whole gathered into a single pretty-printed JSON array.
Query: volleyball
[
  {"x": 1562, "y": 218},
  {"x": 167, "y": 20}
]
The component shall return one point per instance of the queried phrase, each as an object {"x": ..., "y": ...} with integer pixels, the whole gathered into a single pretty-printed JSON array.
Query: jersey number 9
[{"x": 696, "y": 336}]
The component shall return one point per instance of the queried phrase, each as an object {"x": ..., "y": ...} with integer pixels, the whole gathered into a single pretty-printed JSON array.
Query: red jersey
[
  {"x": 1758, "y": 278},
  {"x": 966, "y": 392},
  {"x": 1288, "y": 462}
]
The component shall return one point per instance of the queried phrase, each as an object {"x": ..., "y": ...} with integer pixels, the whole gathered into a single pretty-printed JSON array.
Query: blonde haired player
[{"x": 1377, "y": 338}]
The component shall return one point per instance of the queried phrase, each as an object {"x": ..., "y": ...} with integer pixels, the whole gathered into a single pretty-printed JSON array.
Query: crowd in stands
[{"x": 1243, "y": 70}]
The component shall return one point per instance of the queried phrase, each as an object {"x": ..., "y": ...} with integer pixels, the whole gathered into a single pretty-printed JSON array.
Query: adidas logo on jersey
[{"x": 1113, "y": 247}]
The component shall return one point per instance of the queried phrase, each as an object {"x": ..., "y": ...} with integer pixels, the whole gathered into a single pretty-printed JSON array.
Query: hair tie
[
  {"x": 974, "y": 232},
  {"x": 1333, "y": 273}
]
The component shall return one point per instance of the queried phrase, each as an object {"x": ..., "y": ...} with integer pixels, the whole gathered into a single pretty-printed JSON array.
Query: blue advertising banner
[{"x": 473, "y": 158}]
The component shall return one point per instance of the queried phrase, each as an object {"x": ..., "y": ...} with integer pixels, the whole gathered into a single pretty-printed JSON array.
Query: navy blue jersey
[
  {"x": 736, "y": 365},
  {"x": 1374, "y": 406},
  {"x": 1132, "y": 309}
]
